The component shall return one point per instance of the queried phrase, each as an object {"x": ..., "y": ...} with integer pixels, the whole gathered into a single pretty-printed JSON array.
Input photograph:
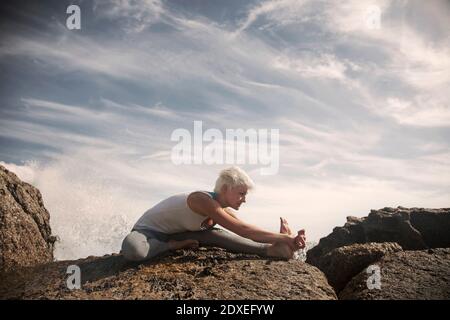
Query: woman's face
[{"x": 235, "y": 196}]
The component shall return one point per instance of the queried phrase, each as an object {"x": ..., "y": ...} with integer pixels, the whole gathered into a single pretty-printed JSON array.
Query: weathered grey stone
[
  {"x": 418, "y": 275},
  {"x": 25, "y": 234}
]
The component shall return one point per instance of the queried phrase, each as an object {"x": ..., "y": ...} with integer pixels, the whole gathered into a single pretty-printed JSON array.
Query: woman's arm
[
  {"x": 230, "y": 212},
  {"x": 204, "y": 205}
]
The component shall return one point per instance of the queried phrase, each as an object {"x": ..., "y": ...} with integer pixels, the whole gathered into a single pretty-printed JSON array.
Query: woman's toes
[{"x": 284, "y": 226}]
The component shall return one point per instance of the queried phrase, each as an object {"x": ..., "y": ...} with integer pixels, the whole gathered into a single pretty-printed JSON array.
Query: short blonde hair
[{"x": 233, "y": 177}]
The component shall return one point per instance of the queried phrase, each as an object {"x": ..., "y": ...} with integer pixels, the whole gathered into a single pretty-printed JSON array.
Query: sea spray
[{"x": 300, "y": 254}]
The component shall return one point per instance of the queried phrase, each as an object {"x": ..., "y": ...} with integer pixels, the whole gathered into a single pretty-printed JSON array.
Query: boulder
[
  {"x": 25, "y": 234},
  {"x": 433, "y": 225},
  {"x": 412, "y": 229},
  {"x": 341, "y": 264},
  {"x": 418, "y": 275},
  {"x": 211, "y": 273}
]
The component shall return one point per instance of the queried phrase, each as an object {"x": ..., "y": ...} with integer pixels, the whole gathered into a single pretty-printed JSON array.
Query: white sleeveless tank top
[{"x": 171, "y": 215}]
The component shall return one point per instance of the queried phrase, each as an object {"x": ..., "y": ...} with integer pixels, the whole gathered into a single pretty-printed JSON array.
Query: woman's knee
[{"x": 135, "y": 246}]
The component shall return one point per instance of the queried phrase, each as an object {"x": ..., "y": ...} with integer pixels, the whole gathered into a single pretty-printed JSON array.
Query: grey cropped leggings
[{"x": 142, "y": 245}]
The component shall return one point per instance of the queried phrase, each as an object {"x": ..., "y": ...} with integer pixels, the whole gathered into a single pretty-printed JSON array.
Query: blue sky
[{"x": 361, "y": 105}]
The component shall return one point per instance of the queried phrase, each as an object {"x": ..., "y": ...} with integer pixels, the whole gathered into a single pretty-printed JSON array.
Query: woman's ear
[{"x": 223, "y": 189}]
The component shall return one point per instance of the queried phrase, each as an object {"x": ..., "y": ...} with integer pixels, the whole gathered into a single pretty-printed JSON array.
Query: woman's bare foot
[
  {"x": 284, "y": 227},
  {"x": 183, "y": 244},
  {"x": 279, "y": 250}
]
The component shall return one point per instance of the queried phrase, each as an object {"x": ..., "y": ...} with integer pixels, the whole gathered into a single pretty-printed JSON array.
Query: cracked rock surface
[
  {"x": 25, "y": 234},
  {"x": 206, "y": 273}
]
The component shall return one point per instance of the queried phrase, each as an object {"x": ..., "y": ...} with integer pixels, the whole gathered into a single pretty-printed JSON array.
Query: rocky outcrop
[
  {"x": 185, "y": 274},
  {"x": 412, "y": 229},
  {"x": 25, "y": 234},
  {"x": 419, "y": 275},
  {"x": 433, "y": 225},
  {"x": 361, "y": 242},
  {"x": 341, "y": 264}
]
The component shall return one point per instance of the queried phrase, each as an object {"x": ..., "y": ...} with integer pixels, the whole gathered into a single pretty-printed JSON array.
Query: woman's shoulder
[{"x": 211, "y": 194}]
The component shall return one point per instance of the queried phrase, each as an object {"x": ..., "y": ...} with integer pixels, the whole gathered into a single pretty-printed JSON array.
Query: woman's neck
[{"x": 221, "y": 199}]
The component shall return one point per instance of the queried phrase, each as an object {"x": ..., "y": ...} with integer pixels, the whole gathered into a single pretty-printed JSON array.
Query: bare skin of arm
[
  {"x": 209, "y": 223},
  {"x": 204, "y": 205},
  {"x": 230, "y": 212},
  {"x": 284, "y": 228}
]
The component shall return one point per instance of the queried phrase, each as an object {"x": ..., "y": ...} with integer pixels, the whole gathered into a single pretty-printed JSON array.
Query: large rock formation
[
  {"x": 25, "y": 234},
  {"x": 433, "y": 225},
  {"x": 418, "y": 275},
  {"x": 412, "y": 229},
  {"x": 342, "y": 264},
  {"x": 361, "y": 242},
  {"x": 184, "y": 274}
]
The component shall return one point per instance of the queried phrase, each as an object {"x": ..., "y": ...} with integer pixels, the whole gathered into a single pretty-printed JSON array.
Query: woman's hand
[
  {"x": 295, "y": 243},
  {"x": 300, "y": 239},
  {"x": 208, "y": 223}
]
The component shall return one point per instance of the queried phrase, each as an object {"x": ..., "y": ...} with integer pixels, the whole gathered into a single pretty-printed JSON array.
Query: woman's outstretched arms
[{"x": 204, "y": 205}]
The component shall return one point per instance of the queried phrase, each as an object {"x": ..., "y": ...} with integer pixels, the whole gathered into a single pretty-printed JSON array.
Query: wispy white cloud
[
  {"x": 50, "y": 136},
  {"x": 409, "y": 57},
  {"x": 281, "y": 11},
  {"x": 158, "y": 110},
  {"x": 139, "y": 14},
  {"x": 426, "y": 111},
  {"x": 57, "y": 109},
  {"x": 325, "y": 66}
]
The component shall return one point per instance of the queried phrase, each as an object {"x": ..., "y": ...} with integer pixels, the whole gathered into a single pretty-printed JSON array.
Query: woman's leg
[
  {"x": 223, "y": 239},
  {"x": 138, "y": 247}
]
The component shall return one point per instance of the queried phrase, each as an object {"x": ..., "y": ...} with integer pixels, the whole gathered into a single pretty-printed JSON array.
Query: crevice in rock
[{"x": 48, "y": 239}]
